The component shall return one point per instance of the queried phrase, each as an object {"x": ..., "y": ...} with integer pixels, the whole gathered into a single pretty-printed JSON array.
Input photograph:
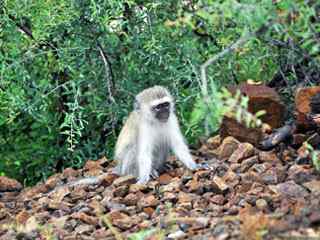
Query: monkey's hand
[
  {"x": 192, "y": 165},
  {"x": 143, "y": 179},
  {"x": 204, "y": 166}
]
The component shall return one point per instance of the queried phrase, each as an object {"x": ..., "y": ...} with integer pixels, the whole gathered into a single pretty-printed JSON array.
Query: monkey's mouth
[{"x": 163, "y": 116}]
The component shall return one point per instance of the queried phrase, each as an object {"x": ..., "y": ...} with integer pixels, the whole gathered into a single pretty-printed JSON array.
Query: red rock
[
  {"x": 36, "y": 191},
  {"x": 115, "y": 215},
  {"x": 256, "y": 190},
  {"x": 228, "y": 146},
  {"x": 121, "y": 191},
  {"x": 58, "y": 194},
  {"x": 145, "y": 224},
  {"x": 124, "y": 180},
  {"x": 59, "y": 222},
  {"x": 4, "y": 214},
  {"x": 315, "y": 217},
  {"x": 92, "y": 168},
  {"x": 85, "y": 218},
  {"x": 185, "y": 205},
  {"x": 262, "y": 167},
  {"x": 231, "y": 127},
  {"x": 108, "y": 179},
  {"x": 90, "y": 165},
  {"x": 269, "y": 156},
  {"x": 273, "y": 176},
  {"x": 164, "y": 178},
  {"x": 148, "y": 210},
  {"x": 8, "y": 196},
  {"x": 313, "y": 186},
  {"x": 266, "y": 128},
  {"x": 302, "y": 104},
  {"x": 94, "y": 172},
  {"x": 248, "y": 163},
  {"x": 290, "y": 189},
  {"x": 220, "y": 183},
  {"x": 214, "y": 142},
  {"x": 244, "y": 150},
  {"x": 103, "y": 161},
  {"x": 131, "y": 199},
  {"x": 196, "y": 223},
  {"x": 288, "y": 155},
  {"x": 126, "y": 223},
  {"x": 173, "y": 186},
  {"x": 83, "y": 229},
  {"x": 149, "y": 201},
  {"x": 235, "y": 166},
  {"x": 22, "y": 217},
  {"x": 194, "y": 185},
  {"x": 120, "y": 220},
  {"x": 184, "y": 197},
  {"x": 250, "y": 176},
  {"x": 97, "y": 207},
  {"x": 261, "y": 204},
  {"x": 8, "y": 184},
  {"x": 218, "y": 199},
  {"x": 202, "y": 174},
  {"x": 103, "y": 233},
  {"x": 300, "y": 173},
  {"x": 137, "y": 188},
  {"x": 53, "y": 181},
  {"x": 54, "y": 205},
  {"x": 231, "y": 178},
  {"x": 265, "y": 98},
  {"x": 78, "y": 193}
]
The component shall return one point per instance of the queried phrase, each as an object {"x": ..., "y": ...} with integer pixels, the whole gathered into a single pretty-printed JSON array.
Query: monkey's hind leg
[
  {"x": 127, "y": 164},
  {"x": 161, "y": 155}
]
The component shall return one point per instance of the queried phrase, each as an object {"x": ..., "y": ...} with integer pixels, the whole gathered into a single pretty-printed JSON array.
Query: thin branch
[
  {"x": 109, "y": 73},
  {"x": 21, "y": 27}
]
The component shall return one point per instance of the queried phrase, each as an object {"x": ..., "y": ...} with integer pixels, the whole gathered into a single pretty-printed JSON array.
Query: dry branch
[{"x": 109, "y": 74}]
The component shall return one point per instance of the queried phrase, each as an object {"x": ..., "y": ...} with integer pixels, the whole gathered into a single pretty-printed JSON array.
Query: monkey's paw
[
  {"x": 154, "y": 174},
  {"x": 116, "y": 170},
  {"x": 143, "y": 179},
  {"x": 203, "y": 166}
]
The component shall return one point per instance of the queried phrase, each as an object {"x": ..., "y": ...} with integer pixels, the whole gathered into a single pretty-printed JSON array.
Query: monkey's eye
[{"x": 161, "y": 106}]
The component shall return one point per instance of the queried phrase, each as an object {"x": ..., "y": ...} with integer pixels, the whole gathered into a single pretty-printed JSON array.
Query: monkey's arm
[
  {"x": 145, "y": 143},
  {"x": 179, "y": 146},
  {"x": 125, "y": 150}
]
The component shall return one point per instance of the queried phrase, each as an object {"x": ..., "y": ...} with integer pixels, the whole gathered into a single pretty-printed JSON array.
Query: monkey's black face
[{"x": 162, "y": 111}]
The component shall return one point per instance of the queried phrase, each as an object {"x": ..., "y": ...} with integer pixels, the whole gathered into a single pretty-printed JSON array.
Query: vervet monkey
[{"x": 148, "y": 135}]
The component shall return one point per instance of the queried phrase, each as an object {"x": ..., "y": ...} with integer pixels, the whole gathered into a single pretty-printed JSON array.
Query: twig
[
  {"x": 109, "y": 74},
  {"x": 21, "y": 27},
  {"x": 29, "y": 107}
]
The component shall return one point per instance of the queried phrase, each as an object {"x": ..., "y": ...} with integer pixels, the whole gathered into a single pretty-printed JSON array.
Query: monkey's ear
[{"x": 136, "y": 105}]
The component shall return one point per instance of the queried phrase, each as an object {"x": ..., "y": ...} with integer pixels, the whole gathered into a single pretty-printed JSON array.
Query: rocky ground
[{"x": 245, "y": 193}]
